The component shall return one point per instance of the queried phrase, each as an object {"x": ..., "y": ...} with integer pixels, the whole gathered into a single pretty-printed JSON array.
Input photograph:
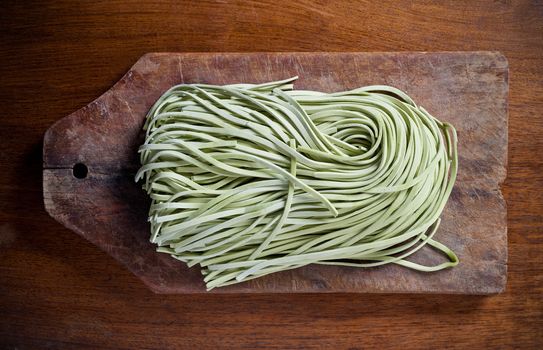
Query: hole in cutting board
[{"x": 80, "y": 171}]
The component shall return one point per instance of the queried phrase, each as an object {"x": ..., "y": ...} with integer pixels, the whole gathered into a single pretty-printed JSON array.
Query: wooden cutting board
[{"x": 98, "y": 198}]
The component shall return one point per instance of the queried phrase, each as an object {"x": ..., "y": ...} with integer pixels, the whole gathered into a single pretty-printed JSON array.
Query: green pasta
[{"x": 250, "y": 179}]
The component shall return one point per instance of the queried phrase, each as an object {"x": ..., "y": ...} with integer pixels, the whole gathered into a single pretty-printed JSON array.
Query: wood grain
[
  {"x": 467, "y": 89},
  {"x": 58, "y": 291}
]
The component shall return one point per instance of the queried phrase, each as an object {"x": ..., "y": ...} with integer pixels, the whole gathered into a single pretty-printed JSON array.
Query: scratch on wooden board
[
  {"x": 301, "y": 71},
  {"x": 180, "y": 69},
  {"x": 130, "y": 112}
]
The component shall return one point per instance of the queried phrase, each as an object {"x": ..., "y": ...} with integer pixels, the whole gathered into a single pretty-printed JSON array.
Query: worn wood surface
[
  {"x": 108, "y": 208},
  {"x": 57, "y": 290}
]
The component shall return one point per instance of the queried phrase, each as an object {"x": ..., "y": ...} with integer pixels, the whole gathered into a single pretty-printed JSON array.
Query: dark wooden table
[{"x": 59, "y": 291}]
